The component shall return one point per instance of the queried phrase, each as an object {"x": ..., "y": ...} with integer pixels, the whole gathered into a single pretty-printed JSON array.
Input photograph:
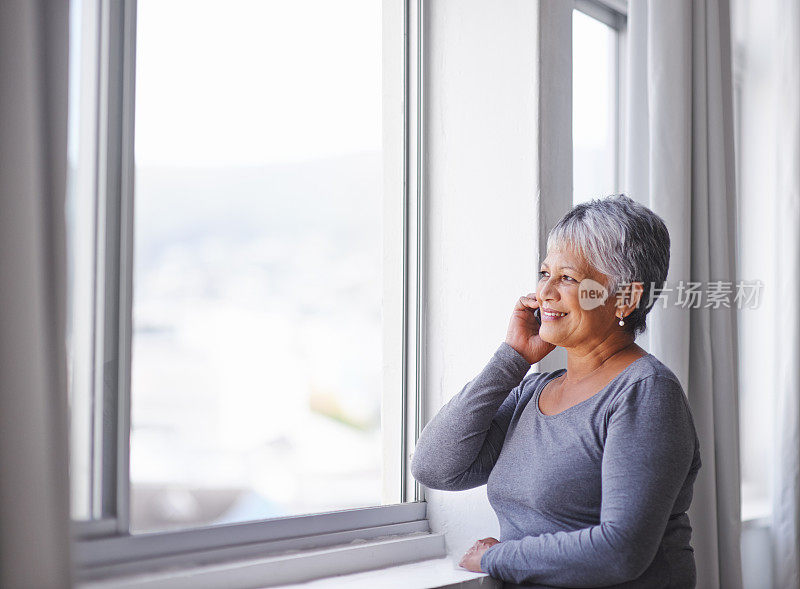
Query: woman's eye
[{"x": 543, "y": 273}]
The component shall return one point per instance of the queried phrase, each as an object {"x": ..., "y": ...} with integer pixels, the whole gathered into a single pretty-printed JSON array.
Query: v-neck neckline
[{"x": 561, "y": 372}]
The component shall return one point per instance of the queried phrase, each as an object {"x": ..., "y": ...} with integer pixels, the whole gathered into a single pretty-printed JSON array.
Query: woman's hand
[
  {"x": 472, "y": 559},
  {"x": 523, "y": 331}
]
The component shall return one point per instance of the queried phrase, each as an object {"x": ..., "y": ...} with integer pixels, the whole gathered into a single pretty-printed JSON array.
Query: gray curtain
[
  {"x": 680, "y": 163},
  {"x": 34, "y": 484}
]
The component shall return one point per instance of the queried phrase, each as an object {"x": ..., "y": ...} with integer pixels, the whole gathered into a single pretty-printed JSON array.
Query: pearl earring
[{"x": 621, "y": 322}]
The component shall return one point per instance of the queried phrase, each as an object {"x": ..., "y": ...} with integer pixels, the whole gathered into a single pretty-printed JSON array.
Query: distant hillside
[{"x": 333, "y": 196}]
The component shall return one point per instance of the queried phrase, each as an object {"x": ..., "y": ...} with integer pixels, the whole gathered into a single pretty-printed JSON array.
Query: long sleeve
[
  {"x": 647, "y": 456},
  {"x": 458, "y": 447}
]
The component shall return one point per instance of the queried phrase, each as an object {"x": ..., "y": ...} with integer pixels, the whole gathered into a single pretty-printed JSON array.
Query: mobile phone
[{"x": 537, "y": 312}]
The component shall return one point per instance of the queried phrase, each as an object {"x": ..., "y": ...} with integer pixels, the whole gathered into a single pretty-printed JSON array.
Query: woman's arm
[
  {"x": 648, "y": 454},
  {"x": 459, "y": 446}
]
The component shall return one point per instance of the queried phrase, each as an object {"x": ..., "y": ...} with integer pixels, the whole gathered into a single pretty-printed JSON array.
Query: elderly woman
[{"x": 589, "y": 469}]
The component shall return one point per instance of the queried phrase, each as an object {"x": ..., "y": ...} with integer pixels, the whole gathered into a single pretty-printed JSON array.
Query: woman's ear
[{"x": 629, "y": 298}]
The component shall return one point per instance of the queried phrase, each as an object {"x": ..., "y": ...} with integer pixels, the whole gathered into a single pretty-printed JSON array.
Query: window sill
[
  {"x": 387, "y": 561},
  {"x": 436, "y": 573}
]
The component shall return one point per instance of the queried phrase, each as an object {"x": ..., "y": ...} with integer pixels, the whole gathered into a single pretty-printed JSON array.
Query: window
[
  {"x": 597, "y": 93},
  {"x": 257, "y": 336},
  {"x": 755, "y": 145},
  {"x": 242, "y": 337}
]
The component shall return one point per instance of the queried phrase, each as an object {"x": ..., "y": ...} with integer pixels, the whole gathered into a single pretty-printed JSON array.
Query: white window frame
[{"x": 103, "y": 548}]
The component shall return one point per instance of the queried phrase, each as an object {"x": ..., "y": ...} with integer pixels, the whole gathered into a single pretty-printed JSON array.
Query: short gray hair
[{"x": 624, "y": 240}]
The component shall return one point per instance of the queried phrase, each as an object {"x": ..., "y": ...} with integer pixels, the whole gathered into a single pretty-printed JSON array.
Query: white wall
[{"x": 481, "y": 193}]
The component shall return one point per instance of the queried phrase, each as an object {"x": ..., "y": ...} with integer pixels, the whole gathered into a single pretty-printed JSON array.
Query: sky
[
  {"x": 251, "y": 82},
  {"x": 591, "y": 92}
]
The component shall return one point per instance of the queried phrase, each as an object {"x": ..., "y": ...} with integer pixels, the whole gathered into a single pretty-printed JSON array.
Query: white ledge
[
  {"x": 299, "y": 567},
  {"x": 429, "y": 574}
]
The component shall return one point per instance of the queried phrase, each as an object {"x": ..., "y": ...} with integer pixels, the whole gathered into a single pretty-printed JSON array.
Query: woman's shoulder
[
  {"x": 650, "y": 367},
  {"x": 649, "y": 381},
  {"x": 651, "y": 402}
]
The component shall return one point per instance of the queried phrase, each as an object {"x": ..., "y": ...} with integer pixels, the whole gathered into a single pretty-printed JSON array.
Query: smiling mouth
[{"x": 553, "y": 314}]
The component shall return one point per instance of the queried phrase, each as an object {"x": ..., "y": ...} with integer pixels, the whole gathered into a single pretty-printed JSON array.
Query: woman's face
[{"x": 564, "y": 281}]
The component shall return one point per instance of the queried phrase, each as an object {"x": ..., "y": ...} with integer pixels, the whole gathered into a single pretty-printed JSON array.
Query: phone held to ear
[{"x": 538, "y": 314}]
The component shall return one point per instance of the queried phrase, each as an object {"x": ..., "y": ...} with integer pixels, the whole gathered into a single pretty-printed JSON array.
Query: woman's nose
[{"x": 546, "y": 289}]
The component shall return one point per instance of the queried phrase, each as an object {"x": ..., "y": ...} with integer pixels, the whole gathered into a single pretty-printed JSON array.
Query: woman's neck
[{"x": 582, "y": 364}]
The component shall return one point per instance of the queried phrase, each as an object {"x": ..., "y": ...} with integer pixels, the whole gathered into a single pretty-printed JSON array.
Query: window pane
[
  {"x": 594, "y": 106},
  {"x": 256, "y": 376}
]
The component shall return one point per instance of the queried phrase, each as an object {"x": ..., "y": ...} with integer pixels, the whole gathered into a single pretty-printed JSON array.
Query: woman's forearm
[{"x": 458, "y": 447}]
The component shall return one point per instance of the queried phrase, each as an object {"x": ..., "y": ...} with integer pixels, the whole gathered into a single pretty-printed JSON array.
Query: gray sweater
[{"x": 594, "y": 496}]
